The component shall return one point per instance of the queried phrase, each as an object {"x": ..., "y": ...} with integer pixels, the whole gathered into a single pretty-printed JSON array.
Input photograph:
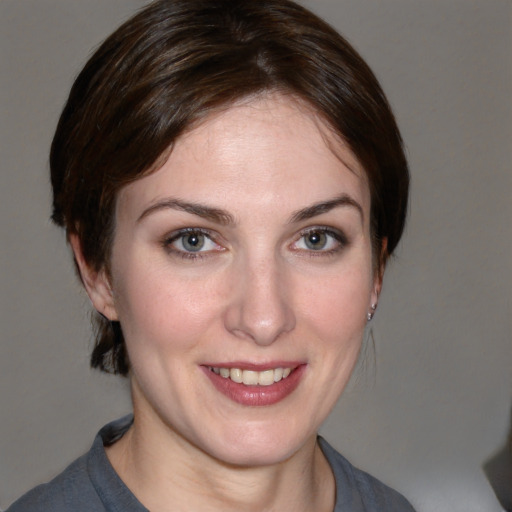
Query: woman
[{"x": 231, "y": 181}]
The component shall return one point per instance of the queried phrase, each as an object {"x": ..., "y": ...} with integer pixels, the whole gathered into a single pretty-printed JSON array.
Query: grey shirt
[{"x": 90, "y": 484}]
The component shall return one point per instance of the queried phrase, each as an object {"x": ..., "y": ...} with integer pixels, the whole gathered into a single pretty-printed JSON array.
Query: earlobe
[
  {"x": 374, "y": 299},
  {"x": 378, "y": 278},
  {"x": 96, "y": 283}
]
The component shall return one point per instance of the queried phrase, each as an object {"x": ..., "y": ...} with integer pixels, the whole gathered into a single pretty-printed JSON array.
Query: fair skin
[{"x": 249, "y": 249}]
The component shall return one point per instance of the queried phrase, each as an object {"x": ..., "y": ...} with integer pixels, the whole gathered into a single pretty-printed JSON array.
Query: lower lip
[{"x": 256, "y": 395}]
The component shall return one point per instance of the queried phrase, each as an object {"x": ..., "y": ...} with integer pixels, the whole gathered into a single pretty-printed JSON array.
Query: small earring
[{"x": 371, "y": 313}]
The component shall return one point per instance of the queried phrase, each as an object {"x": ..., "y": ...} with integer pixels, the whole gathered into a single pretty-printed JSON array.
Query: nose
[{"x": 260, "y": 307}]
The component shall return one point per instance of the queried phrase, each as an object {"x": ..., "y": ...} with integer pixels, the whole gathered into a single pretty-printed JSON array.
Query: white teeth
[
  {"x": 236, "y": 375},
  {"x": 251, "y": 377},
  {"x": 266, "y": 378},
  {"x": 278, "y": 374}
]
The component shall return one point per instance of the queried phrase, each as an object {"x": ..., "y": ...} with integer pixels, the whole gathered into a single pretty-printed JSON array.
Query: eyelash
[{"x": 337, "y": 236}]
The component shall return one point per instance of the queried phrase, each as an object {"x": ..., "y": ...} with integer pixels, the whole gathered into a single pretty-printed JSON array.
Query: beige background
[{"x": 434, "y": 404}]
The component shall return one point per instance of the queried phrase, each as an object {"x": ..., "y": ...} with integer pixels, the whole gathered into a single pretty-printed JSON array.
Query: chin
[{"x": 253, "y": 447}]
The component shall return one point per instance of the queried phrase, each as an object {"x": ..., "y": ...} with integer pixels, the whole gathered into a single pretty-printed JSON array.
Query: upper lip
[{"x": 257, "y": 367}]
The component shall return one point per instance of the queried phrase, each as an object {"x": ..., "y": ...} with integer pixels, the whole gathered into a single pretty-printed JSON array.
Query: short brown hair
[{"x": 178, "y": 60}]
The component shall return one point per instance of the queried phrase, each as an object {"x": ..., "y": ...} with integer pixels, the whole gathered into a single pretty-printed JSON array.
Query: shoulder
[
  {"x": 89, "y": 484},
  {"x": 72, "y": 488},
  {"x": 357, "y": 490}
]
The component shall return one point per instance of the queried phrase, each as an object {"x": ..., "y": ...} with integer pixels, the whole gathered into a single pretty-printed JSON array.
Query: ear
[
  {"x": 380, "y": 266},
  {"x": 96, "y": 283}
]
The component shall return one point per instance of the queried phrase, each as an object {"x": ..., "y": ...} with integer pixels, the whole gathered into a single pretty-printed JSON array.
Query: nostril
[{"x": 261, "y": 325}]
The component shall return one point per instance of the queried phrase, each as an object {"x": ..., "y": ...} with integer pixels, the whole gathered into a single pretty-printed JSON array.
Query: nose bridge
[{"x": 260, "y": 308}]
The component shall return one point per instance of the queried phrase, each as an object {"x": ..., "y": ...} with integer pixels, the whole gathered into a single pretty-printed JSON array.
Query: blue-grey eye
[
  {"x": 319, "y": 240},
  {"x": 193, "y": 242},
  {"x": 316, "y": 240}
]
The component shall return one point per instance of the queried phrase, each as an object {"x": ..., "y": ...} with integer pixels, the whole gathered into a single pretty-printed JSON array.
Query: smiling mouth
[{"x": 251, "y": 377}]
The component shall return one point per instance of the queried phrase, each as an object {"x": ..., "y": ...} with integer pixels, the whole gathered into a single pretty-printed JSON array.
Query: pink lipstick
[{"x": 254, "y": 385}]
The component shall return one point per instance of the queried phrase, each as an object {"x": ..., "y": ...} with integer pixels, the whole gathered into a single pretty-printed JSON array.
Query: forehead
[{"x": 273, "y": 148}]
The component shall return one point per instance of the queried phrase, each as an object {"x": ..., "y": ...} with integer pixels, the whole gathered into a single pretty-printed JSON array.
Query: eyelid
[{"x": 335, "y": 232}]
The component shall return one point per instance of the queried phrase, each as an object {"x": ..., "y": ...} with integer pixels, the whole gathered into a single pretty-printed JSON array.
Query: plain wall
[{"x": 432, "y": 403}]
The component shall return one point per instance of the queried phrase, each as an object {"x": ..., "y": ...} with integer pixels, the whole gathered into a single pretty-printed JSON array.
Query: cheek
[
  {"x": 156, "y": 307},
  {"x": 335, "y": 316},
  {"x": 338, "y": 303}
]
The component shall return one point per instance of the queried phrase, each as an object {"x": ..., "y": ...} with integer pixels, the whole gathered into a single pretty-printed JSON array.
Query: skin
[{"x": 255, "y": 293}]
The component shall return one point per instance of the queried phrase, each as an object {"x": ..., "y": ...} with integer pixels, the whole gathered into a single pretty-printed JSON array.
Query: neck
[{"x": 168, "y": 473}]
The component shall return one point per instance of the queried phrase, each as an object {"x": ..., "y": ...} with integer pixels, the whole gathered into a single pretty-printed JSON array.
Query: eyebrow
[
  {"x": 206, "y": 212},
  {"x": 224, "y": 218},
  {"x": 326, "y": 206}
]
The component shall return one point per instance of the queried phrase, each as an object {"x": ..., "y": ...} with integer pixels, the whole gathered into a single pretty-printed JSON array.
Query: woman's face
[{"x": 246, "y": 257}]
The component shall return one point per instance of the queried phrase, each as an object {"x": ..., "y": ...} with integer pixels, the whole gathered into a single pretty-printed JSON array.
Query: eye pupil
[
  {"x": 316, "y": 240},
  {"x": 193, "y": 242}
]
